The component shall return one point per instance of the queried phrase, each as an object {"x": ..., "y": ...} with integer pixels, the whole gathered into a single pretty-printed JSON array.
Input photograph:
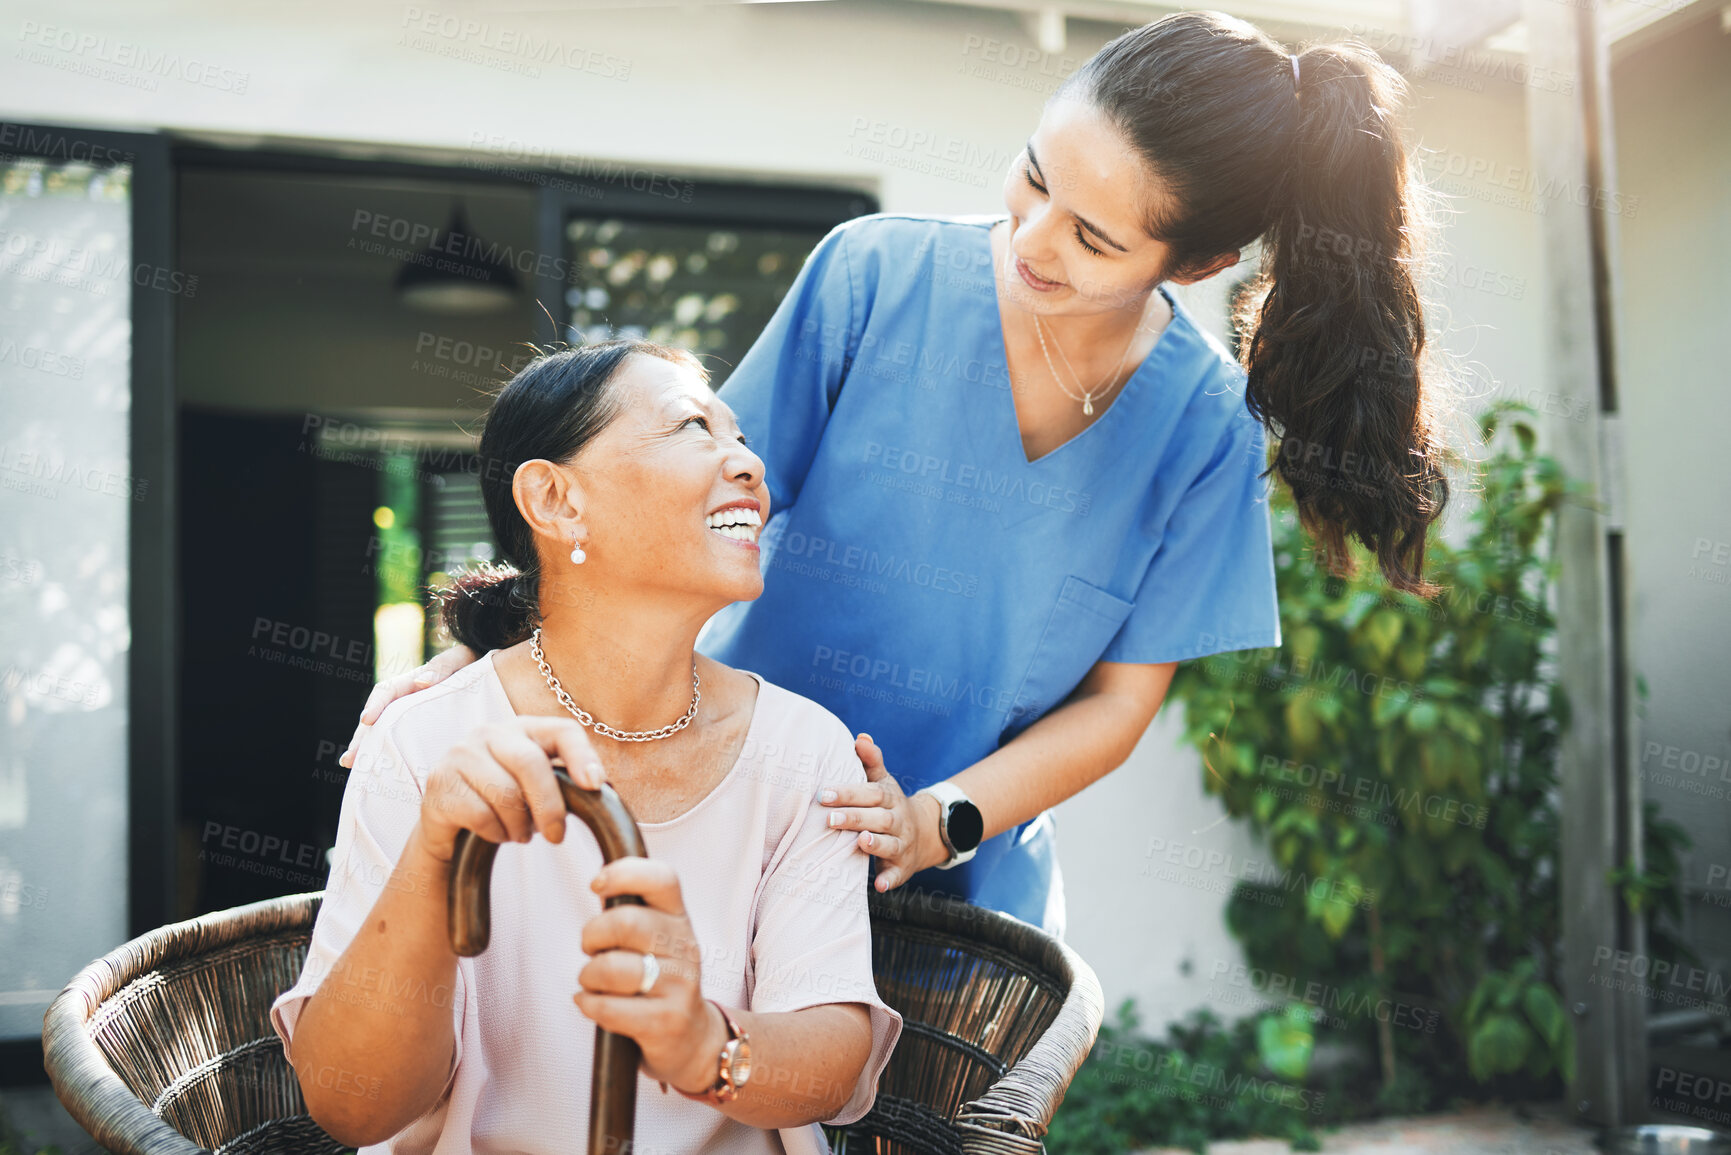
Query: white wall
[
  {"x": 757, "y": 89},
  {"x": 1674, "y": 156}
]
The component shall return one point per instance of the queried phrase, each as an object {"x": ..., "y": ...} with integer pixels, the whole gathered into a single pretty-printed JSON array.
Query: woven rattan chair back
[
  {"x": 996, "y": 1018},
  {"x": 164, "y": 1046}
]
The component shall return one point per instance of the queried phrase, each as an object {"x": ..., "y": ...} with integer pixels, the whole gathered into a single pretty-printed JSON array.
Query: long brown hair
[{"x": 1332, "y": 325}]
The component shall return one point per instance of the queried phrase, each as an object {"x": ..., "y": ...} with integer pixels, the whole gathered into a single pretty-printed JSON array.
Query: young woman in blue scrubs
[{"x": 1013, "y": 482}]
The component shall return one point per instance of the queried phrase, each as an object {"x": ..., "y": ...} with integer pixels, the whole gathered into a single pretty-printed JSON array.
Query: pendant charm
[{"x": 1087, "y": 407}]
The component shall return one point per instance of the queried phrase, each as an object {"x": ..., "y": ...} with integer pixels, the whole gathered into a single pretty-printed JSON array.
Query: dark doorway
[{"x": 277, "y": 653}]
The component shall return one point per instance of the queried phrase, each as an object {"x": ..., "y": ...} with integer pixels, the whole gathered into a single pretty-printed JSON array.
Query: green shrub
[
  {"x": 1205, "y": 1081},
  {"x": 1399, "y": 757}
]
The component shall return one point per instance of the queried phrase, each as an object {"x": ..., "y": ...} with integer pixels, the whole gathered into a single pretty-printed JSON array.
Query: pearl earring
[{"x": 577, "y": 554}]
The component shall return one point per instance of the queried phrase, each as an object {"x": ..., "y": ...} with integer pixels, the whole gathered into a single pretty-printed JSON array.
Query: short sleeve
[
  {"x": 1210, "y": 585},
  {"x": 785, "y": 386},
  {"x": 813, "y": 941},
  {"x": 381, "y": 803}
]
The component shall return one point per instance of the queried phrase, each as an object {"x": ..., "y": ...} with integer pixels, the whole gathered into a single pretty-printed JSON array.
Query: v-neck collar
[{"x": 1126, "y": 395}]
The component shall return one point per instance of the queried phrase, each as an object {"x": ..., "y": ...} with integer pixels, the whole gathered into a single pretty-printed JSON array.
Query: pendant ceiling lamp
[{"x": 457, "y": 273}]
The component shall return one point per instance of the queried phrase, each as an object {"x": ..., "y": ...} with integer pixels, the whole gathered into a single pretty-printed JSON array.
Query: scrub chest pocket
[{"x": 1082, "y": 624}]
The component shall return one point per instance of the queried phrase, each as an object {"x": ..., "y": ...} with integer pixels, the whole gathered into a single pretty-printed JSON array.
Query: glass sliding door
[{"x": 71, "y": 488}]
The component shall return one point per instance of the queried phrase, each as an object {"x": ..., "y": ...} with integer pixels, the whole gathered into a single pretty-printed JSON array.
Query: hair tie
[{"x": 1294, "y": 58}]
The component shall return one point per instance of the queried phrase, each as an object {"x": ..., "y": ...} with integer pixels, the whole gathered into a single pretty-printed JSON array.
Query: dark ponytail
[
  {"x": 552, "y": 408},
  {"x": 1332, "y": 325}
]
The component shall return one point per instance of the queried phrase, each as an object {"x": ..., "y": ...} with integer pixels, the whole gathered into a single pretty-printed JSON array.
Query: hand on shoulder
[{"x": 420, "y": 678}]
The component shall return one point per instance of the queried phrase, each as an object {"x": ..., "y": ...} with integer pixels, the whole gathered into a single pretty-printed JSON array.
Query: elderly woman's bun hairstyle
[{"x": 550, "y": 410}]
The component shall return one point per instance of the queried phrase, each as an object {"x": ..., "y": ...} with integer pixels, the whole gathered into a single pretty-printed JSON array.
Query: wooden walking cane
[{"x": 613, "y": 1085}]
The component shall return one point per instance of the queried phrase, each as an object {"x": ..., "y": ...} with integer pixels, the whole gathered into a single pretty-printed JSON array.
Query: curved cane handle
[{"x": 613, "y": 1085}]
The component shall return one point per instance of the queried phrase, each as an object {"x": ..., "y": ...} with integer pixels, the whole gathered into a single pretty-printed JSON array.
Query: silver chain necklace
[{"x": 603, "y": 728}]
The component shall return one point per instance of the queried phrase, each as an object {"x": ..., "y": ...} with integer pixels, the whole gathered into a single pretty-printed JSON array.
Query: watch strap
[{"x": 724, "y": 1089}]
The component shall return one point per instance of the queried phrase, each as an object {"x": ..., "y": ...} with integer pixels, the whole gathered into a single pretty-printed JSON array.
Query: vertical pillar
[{"x": 1573, "y": 166}]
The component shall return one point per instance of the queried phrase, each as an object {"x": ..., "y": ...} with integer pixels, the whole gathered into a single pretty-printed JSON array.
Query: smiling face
[
  {"x": 668, "y": 497},
  {"x": 1076, "y": 197}
]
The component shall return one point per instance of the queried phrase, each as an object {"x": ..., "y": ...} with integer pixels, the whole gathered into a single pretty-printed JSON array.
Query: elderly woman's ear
[{"x": 550, "y": 499}]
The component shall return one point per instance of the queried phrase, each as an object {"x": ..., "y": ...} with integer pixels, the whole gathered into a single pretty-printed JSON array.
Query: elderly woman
[{"x": 629, "y": 506}]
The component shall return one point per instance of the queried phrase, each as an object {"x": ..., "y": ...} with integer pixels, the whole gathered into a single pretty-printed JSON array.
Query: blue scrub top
[{"x": 930, "y": 585}]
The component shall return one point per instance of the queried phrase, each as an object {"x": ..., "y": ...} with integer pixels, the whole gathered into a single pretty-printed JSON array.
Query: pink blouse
[{"x": 777, "y": 899}]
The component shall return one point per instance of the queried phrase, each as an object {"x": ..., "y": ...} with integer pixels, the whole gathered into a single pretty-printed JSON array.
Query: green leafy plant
[
  {"x": 1204, "y": 1081},
  {"x": 1653, "y": 888},
  {"x": 1515, "y": 1022},
  {"x": 1399, "y": 757},
  {"x": 1284, "y": 1041}
]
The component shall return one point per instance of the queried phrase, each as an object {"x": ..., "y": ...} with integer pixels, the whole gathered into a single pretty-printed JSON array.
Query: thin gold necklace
[
  {"x": 1105, "y": 386},
  {"x": 1106, "y": 383}
]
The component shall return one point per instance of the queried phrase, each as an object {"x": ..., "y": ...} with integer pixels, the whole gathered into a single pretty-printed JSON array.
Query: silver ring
[{"x": 651, "y": 972}]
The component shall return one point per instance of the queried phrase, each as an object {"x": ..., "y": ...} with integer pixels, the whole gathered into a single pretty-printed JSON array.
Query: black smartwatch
[{"x": 959, "y": 822}]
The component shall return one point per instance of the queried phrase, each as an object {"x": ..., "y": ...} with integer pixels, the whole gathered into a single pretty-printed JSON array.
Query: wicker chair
[{"x": 164, "y": 1046}]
